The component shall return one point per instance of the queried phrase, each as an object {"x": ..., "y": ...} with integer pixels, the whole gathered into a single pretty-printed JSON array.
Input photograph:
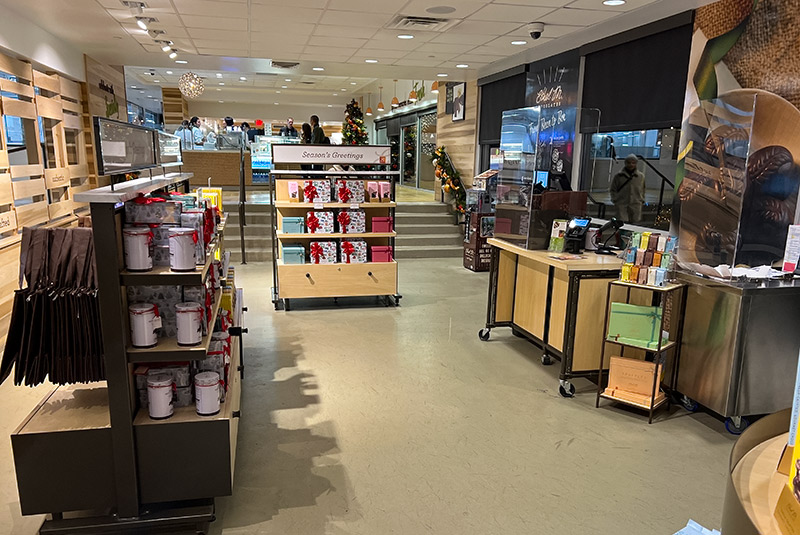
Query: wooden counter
[{"x": 558, "y": 304}]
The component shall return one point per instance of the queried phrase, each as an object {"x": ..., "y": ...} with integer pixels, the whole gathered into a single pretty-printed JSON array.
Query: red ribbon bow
[
  {"x": 344, "y": 220},
  {"x": 310, "y": 193},
  {"x": 316, "y": 252},
  {"x": 195, "y": 238},
  {"x": 347, "y": 249},
  {"x": 312, "y": 223},
  {"x": 141, "y": 199},
  {"x": 345, "y": 194}
]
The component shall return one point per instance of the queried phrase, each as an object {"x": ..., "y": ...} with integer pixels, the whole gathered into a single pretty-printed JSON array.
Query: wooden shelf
[
  {"x": 310, "y": 236},
  {"x": 296, "y": 172},
  {"x": 666, "y": 288},
  {"x": 501, "y": 236},
  {"x": 665, "y": 347},
  {"x": 70, "y": 408},
  {"x": 168, "y": 350},
  {"x": 310, "y": 206},
  {"x": 126, "y": 191},
  {"x": 164, "y": 276},
  {"x": 279, "y": 262},
  {"x": 661, "y": 398}
]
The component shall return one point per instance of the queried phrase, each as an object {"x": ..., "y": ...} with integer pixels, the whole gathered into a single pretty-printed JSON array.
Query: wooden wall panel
[
  {"x": 6, "y": 193},
  {"x": 3, "y": 159},
  {"x": 56, "y": 178},
  {"x": 460, "y": 137},
  {"x": 48, "y": 82},
  {"x": 16, "y": 67},
  {"x": 74, "y": 107},
  {"x": 32, "y": 214},
  {"x": 28, "y": 188},
  {"x": 60, "y": 209},
  {"x": 70, "y": 89},
  {"x": 19, "y": 108},
  {"x": 17, "y": 88},
  {"x": 49, "y": 107},
  {"x": 19, "y": 171},
  {"x": 8, "y": 222},
  {"x": 106, "y": 91}
]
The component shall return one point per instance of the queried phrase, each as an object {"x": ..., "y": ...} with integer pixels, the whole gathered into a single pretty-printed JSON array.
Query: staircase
[
  {"x": 257, "y": 233},
  {"x": 426, "y": 230}
]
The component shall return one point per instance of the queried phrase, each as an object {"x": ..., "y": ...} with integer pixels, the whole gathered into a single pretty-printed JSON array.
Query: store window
[
  {"x": 427, "y": 146},
  {"x": 22, "y": 140},
  {"x": 409, "y": 176}
]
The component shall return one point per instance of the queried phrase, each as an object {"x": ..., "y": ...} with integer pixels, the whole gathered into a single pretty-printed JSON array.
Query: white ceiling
[{"x": 243, "y": 37}]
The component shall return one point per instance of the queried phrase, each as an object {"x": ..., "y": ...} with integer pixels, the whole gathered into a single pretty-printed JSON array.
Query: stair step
[
  {"x": 253, "y": 255},
  {"x": 421, "y": 207},
  {"x": 257, "y": 219},
  {"x": 427, "y": 251},
  {"x": 424, "y": 219},
  {"x": 428, "y": 239},
  {"x": 443, "y": 230}
]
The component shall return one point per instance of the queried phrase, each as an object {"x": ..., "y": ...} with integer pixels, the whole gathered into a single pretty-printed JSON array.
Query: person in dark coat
[{"x": 627, "y": 191}]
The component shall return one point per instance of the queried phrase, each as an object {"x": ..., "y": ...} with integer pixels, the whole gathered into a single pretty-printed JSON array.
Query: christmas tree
[{"x": 353, "y": 130}]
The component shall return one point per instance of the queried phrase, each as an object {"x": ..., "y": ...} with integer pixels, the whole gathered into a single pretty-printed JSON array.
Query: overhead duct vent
[
  {"x": 421, "y": 24},
  {"x": 285, "y": 64}
]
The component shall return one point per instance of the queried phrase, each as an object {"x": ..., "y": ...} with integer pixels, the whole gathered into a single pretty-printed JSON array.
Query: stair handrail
[{"x": 664, "y": 180}]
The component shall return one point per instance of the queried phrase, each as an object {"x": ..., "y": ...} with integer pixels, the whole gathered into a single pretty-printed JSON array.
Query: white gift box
[
  {"x": 328, "y": 255},
  {"x": 359, "y": 255}
]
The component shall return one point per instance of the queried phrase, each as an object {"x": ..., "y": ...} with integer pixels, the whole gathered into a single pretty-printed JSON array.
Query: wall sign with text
[{"x": 332, "y": 154}]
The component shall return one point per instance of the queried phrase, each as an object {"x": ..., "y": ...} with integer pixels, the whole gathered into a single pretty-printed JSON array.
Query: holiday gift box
[
  {"x": 317, "y": 191},
  {"x": 382, "y": 224},
  {"x": 319, "y": 222},
  {"x": 161, "y": 255},
  {"x": 293, "y": 254},
  {"x": 165, "y": 298},
  {"x": 381, "y": 253},
  {"x": 153, "y": 210},
  {"x": 353, "y": 251},
  {"x": 634, "y": 324},
  {"x": 385, "y": 190},
  {"x": 294, "y": 192},
  {"x": 352, "y": 221},
  {"x": 214, "y": 196},
  {"x": 293, "y": 225},
  {"x": 323, "y": 252},
  {"x": 196, "y": 219},
  {"x": 161, "y": 233},
  {"x": 350, "y": 191},
  {"x": 188, "y": 201},
  {"x": 372, "y": 192}
]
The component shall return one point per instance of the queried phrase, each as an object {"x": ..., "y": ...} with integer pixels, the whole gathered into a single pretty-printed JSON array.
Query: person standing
[
  {"x": 289, "y": 130},
  {"x": 305, "y": 139},
  {"x": 627, "y": 191},
  {"x": 317, "y": 133},
  {"x": 197, "y": 133},
  {"x": 184, "y": 132}
]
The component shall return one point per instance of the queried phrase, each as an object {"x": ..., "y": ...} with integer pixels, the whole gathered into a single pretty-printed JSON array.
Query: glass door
[
  {"x": 427, "y": 146},
  {"x": 409, "y": 159}
]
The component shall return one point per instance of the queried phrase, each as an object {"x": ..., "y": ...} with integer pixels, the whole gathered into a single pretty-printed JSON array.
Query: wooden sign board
[{"x": 332, "y": 154}]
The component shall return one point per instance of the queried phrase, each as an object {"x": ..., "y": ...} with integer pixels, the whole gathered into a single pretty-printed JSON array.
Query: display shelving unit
[
  {"x": 298, "y": 281},
  {"x": 675, "y": 293},
  {"x": 148, "y": 474}
]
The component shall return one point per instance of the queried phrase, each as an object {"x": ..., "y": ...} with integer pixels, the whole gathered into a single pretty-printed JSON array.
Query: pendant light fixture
[
  {"x": 380, "y": 102},
  {"x": 413, "y": 95},
  {"x": 395, "y": 102},
  {"x": 369, "y": 106},
  {"x": 191, "y": 85},
  {"x": 435, "y": 87}
]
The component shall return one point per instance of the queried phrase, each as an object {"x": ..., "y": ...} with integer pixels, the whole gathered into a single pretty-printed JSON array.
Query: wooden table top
[{"x": 588, "y": 261}]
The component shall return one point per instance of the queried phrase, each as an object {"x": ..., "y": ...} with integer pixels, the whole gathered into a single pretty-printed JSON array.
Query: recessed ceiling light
[
  {"x": 288, "y": 80},
  {"x": 405, "y": 36},
  {"x": 221, "y": 101},
  {"x": 613, "y": 2},
  {"x": 222, "y": 83},
  {"x": 181, "y": 61},
  {"x": 352, "y": 83},
  {"x": 336, "y": 94},
  {"x": 141, "y": 91},
  {"x": 276, "y": 103},
  {"x": 284, "y": 87},
  {"x": 156, "y": 81},
  {"x": 462, "y": 66},
  {"x": 519, "y": 43},
  {"x": 218, "y": 89},
  {"x": 219, "y": 75},
  {"x": 169, "y": 72},
  {"x": 440, "y": 10},
  {"x": 242, "y": 78},
  {"x": 330, "y": 105},
  {"x": 277, "y": 92},
  {"x": 370, "y": 61},
  {"x": 442, "y": 75},
  {"x": 317, "y": 69},
  {"x": 173, "y": 55},
  {"x": 134, "y": 87},
  {"x": 343, "y": 90}
]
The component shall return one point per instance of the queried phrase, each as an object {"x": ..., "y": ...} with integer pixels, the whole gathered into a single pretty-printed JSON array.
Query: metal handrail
[{"x": 664, "y": 180}]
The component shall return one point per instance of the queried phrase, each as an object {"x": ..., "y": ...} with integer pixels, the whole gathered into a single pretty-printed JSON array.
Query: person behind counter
[
  {"x": 289, "y": 130},
  {"x": 197, "y": 134},
  {"x": 317, "y": 133},
  {"x": 627, "y": 191},
  {"x": 184, "y": 132},
  {"x": 305, "y": 138}
]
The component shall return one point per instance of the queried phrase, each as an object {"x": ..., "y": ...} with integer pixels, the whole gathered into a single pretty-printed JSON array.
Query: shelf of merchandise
[
  {"x": 168, "y": 349},
  {"x": 658, "y": 396},
  {"x": 301, "y": 281},
  {"x": 318, "y": 235},
  {"x": 164, "y": 276},
  {"x": 124, "y": 463}
]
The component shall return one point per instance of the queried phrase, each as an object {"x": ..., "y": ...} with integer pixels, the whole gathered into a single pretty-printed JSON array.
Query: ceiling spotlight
[
  {"x": 169, "y": 72},
  {"x": 519, "y": 43},
  {"x": 287, "y": 80},
  {"x": 219, "y": 75},
  {"x": 222, "y": 83},
  {"x": 442, "y": 75},
  {"x": 136, "y": 8},
  {"x": 317, "y": 69},
  {"x": 181, "y": 61},
  {"x": 242, "y": 79},
  {"x": 462, "y": 66},
  {"x": 284, "y": 87},
  {"x": 613, "y": 2},
  {"x": 166, "y": 47},
  {"x": 140, "y": 22},
  {"x": 173, "y": 54},
  {"x": 276, "y": 103},
  {"x": 405, "y": 36},
  {"x": 370, "y": 61},
  {"x": 352, "y": 83}
]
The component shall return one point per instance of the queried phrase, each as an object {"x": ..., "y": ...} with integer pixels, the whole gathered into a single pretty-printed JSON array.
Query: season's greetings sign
[
  {"x": 331, "y": 154},
  {"x": 553, "y": 86}
]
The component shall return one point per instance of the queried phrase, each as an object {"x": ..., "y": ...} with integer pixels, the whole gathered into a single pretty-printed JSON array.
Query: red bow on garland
[
  {"x": 347, "y": 249},
  {"x": 312, "y": 223},
  {"x": 310, "y": 193},
  {"x": 141, "y": 199},
  {"x": 316, "y": 252},
  {"x": 345, "y": 194},
  {"x": 344, "y": 220}
]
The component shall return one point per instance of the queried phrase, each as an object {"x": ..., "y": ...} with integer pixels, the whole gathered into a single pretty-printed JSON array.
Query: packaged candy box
[
  {"x": 319, "y": 222},
  {"x": 353, "y": 251},
  {"x": 317, "y": 191},
  {"x": 352, "y": 221},
  {"x": 323, "y": 252},
  {"x": 350, "y": 191}
]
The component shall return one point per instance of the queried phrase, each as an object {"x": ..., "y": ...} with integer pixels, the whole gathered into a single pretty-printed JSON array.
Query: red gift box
[
  {"x": 382, "y": 224},
  {"x": 381, "y": 253}
]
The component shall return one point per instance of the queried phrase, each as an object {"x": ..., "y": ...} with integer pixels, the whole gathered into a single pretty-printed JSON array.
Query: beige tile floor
[{"x": 371, "y": 420}]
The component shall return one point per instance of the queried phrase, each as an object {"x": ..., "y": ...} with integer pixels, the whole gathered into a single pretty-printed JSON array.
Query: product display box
[
  {"x": 153, "y": 212},
  {"x": 294, "y": 191},
  {"x": 477, "y": 251},
  {"x": 350, "y": 191},
  {"x": 323, "y": 252},
  {"x": 385, "y": 191},
  {"x": 293, "y": 254},
  {"x": 352, "y": 251},
  {"x": 317, "y": 191},
  {"x": 352, "y": 221},
  {"x": 165, "y": 298},
  {"x": 381, "y": 253},
  {"x": 372, "y": 192},
  {"x": 320, "y": 222},
  {"x": 382, "y": 224},
  {"x": 196, "y": 219},
  {"x": 293, "y": 225},
  {"x": 635, "y": 325}
]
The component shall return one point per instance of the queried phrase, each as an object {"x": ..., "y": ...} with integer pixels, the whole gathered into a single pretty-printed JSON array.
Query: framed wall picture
[
  {"x": 448, "y": 102},
  {"x": 459, "y": 101}
]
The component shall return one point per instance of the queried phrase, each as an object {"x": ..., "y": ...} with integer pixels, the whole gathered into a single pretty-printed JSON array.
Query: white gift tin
[
  {"x": 138, "y": 246},
  {"x": 182, "y": 249},
  {"x": 206, "y": 393},
  {"x": 159, "y": 396},
  {"x": 189, "y": 317},
  {"x": 145, "y": 321}
]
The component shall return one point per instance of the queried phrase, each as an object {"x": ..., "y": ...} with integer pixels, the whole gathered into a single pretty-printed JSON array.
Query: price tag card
[
  {"x": 354, "y": 206},
  {"x": 319, "y": 205}
]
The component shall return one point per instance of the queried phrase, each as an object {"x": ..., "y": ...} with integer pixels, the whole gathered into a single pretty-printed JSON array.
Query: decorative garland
[{"x": 450, "y": 178}]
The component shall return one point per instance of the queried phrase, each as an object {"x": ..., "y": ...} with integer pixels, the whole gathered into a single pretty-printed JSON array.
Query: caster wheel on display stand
[
  {"x": 547, "y": 360},
  {"x": 689, "y": 404},
  {"x": 735, "y": 425},
  {"x": 483, "y": 334},
  {"x": 566, "y": 389}
]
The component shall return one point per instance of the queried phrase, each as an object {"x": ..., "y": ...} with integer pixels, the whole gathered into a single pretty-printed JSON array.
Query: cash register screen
[
  {"x": 541, "y": 178},
  {"x": 579, "y": 223}
]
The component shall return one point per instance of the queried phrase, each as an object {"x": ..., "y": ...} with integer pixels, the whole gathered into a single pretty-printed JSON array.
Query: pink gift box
[
  {"x": 385, "y": 190},
  {"x": 294, "y": 192},
  {"x": 382, "y": 224},
  {"x": 372, "y": 192},
  {"x": 381, "y": 253}
]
